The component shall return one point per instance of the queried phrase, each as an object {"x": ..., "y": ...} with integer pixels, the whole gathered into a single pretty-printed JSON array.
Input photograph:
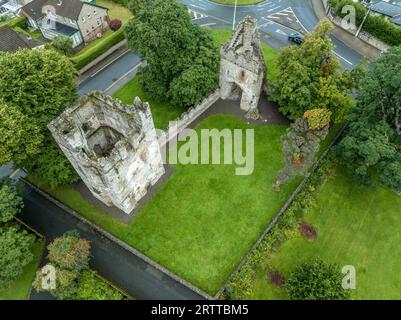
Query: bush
[
  {"x": 89, "y": 55},
  {"x": 316, "y": 280},
  {"x": 69, "y": 252},
  {"x": 63, "y": 43},
  {"x": 115, "y": 24},
  {"x": 91, "y": 287}
]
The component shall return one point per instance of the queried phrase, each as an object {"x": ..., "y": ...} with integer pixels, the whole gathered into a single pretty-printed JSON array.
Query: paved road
[
  {"x": 116, "y": 264},
  {"x": 214, "y": 15}
]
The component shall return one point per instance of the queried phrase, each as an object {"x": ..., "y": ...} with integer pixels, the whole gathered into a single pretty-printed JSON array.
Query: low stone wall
[
  {"x": 363, "y": 35},
  {"x": 186, "y": 118}
]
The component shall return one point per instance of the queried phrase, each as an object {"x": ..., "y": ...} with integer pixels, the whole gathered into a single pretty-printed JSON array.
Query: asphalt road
[
  {"x": 213, "y": 15},
  {"x": 113, "y": 262}
]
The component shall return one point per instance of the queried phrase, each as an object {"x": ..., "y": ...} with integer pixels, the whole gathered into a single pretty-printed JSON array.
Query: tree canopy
[
  {"x": 35, "y": 87},
  {"x": 181, "y": 56},
  {"x": 15, "y": 253},
  {"x": 10, "y": 202},
  {"x": 310, "y": 77},
  {"x": 371, "y": 146}
]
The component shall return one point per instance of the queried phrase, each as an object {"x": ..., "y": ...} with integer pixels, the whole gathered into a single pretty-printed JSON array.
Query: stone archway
[{"x": 243, "y": 65}]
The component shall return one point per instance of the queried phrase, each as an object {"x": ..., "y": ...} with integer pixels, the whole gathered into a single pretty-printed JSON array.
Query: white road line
[
  {"x": 123, "y": 76},
  {"x": 341, "y": 57}
]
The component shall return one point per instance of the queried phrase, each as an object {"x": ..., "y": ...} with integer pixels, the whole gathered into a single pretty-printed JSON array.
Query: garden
[{"x": 355, "y": 226}]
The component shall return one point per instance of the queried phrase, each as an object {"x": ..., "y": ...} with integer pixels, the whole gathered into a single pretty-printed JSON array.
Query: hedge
[
  {"x": 17, "y": 22},
  {"x": 377, "y": 26},
  {"x": 89, "y": 55}
]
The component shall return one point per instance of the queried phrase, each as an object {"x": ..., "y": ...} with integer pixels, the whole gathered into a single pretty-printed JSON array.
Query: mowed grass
[
  {"x": 162, "y": 112},
  {"x": 205, "y": 218},
  {"x": 21, "y": 287},
  {"x": 356, "y": 226}
]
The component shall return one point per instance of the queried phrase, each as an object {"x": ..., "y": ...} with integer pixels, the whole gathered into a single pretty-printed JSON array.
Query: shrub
[
  {"x": 276, "y": 278},
  {"x": 317, "y": 118},
  {"x": 63, "y": 43},
  {"x": 91, "y": 287},
  {"x": 307, "y": 231},
  {"x": 115, "y": 24},
  {"x": 316, "y": 280},
  {"x": 69, "y": 252}
]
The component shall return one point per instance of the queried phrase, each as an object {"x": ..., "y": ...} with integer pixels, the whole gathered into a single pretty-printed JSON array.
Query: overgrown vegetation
[
  {"x": 376, "y": 25},
  {"x": 69, "y": 259},
  {"x": 35, "y": 87},
  {"x": 310, "y": 78},
  {"x": 371, "y": 148},
  {"x": 241, "y": 283},
  {"x": 15, "y": 242}
]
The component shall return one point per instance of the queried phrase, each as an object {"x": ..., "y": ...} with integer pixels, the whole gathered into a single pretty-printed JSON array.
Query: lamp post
[{"x": 235, "y": 13}]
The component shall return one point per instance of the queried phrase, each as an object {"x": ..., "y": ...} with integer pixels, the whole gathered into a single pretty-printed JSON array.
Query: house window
[
  {"x": 94, "y": 12},
  {"x": 89, "y": 15},
  {"x": 87, "y": 31},
  {"x": 83, "y": 19},
  {"x": 98, "y": 22}
]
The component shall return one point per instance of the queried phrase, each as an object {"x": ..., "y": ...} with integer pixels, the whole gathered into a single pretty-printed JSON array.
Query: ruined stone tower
[
  {"x": 113, "y": 148},
  {"x": 243, "y": 66}
]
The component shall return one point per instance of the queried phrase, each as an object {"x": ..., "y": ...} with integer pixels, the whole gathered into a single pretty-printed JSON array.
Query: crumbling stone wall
[
  {"x": 243, "y": 66},
  {"x": 113, "y": 147}
]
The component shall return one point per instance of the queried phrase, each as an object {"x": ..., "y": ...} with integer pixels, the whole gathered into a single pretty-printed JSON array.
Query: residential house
[
  {"x": 391, "y": 11},
  {"x": 11, "y": 41},
  {"x": 80, "y": 20},
  {"x": 11, "y": 8}
]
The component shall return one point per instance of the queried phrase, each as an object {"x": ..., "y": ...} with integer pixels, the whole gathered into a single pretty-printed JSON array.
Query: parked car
[{"x": 297, "y": 38}]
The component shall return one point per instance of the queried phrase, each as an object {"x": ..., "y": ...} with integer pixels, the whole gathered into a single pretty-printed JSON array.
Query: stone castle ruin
[
  {"x": 113, "y": 147},
  {"x": 243, "y": 67}
]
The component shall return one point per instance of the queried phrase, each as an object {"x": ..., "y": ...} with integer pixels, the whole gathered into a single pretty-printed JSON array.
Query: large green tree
[
  {"x": 10, "y": 202},
  {"x": 36, "y": 86},
  {"x": 310, "y": 77},
  {"x": 181, "y": 56},
  {"x": 371, "y": 146},
  {"x": 15, "y": 253}
]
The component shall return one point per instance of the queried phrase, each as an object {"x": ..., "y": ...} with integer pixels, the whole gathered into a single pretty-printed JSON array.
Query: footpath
[{"x": 345, "y": 37}]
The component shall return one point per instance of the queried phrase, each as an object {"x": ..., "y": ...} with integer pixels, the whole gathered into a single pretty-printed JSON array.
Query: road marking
[
  {"x": 208, "y": 24},
  {"x": 123, "y": 76},
  {"x": 341, "y": 57}
]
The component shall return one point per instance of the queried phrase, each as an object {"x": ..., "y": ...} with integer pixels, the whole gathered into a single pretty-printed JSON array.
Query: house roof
[
  {"x": 397, "y": 20},
  {"x": 11, "y": 41},
  {"x": 64, "y": 8},
  {"x": 386, "y": 9}
]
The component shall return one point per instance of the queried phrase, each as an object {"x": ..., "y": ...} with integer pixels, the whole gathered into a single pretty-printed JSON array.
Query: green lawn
[
  {"x": 162, "y": 112},
  {"x": 204, "y": 219},
  {"x": 356, "y": 226},
  {"x": 116, "y": 11},
  {"x": 20, "y": 289}
]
